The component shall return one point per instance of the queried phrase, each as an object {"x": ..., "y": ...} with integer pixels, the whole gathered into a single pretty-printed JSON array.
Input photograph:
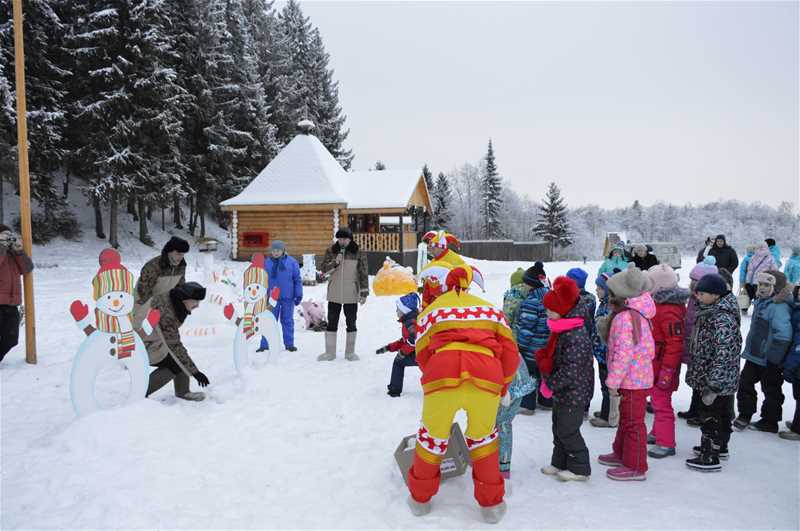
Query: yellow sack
[{"x": 394, "y": 279}]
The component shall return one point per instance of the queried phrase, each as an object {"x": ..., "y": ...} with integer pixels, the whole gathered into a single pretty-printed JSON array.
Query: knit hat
[
  {"x": 189, "y": 291},
  {"x": 534, "y": 274},
  {"x": 617, "y": 247},
  {"x": 766, "y": 278},
  {"x": 602, "y": 280},
  {"x": 713, "y": 284},
  {"x": 752, "y": 248},
  {"x": 255, "y": 273},
  {"x": 639, "y": 247},
  {"x": 721, "y": 237},
  {"x": 710, "y": 260},
  {"x": 441, "y": 239},
  {"x": 112, "y": 276},
  {"x": 408, "y": 303},
  {"x": 516, "y": 276},
  {"x": 780, "y": 280},
  {"x": 176, "y": 244},
  {"x": 344, "y": 232},
  {"x": 563, "y": 297},
  {"x": 278, "y": 245},
  {"x": 630, "y": 283},
  {"x": 770, "y": 241},
  {"x": 726, "y": 275},
  {"x": 663, "y": 277},
  {"x": 702, "y": 269},
  {"x": 579, "y": 276}
]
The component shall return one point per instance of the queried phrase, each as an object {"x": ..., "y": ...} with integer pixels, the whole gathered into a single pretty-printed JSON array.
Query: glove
[
  {"x": 613, "y": 392},
  {"x": 297, "y": 301},
  {"x": 228, "y": 311},
  {"x": 505, "y": 400},
  {"x": 708, "y": 397},
  {"x": 666, "y": 378},
  {"x": 382, "y": 350},
  {"x": 545, "y": 391},
  {"x": 78, "y": 310},
  {"x": 362, "y": 300},
  {"x": 201, "y": 378}
]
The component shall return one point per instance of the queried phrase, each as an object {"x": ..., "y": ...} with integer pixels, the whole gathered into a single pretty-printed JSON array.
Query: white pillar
[
  {"x": 234, "y": 235},
  {"x": 335, "y": 222}
]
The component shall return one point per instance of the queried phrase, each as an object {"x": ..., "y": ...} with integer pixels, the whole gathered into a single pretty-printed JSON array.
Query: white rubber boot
[
  {"x": 493, "y": 514},
  {"x": 417, "y": 508}
]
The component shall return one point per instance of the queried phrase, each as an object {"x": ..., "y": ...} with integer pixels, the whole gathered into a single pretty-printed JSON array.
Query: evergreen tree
[
  {"x": 380, "y": 166},
  {"x": 426, "y": 173},
  {"x": 491, "y": 197},
  {"x": 442, "y": 201},
  {"x": 553, "y": 225},
  {"x": 8, "y": 138}
]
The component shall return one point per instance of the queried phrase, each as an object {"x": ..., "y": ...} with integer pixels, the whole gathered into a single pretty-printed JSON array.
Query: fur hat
[
  {"x": 563, "y": 297},
  {"x": 713, "y": 284},
  {"x": 780, "y": 280},
  {"x": 663, "y": 277},
  {"x": 4, "y": 228},
  {"x": 639, "y": 247},
  {"x": 630, "y": 283},
  {"x": 344, "y": 232},
  {"x": 516, "y": 276},
  {"x": 579, "y": 276},
  {"x": 766, "y": 278},
  {"x": 112, "y": 276},
  {"x": 702, "y": 269},
  {"x": 176, "y": 244},
  {"x": 408, "y": 303},
  {"x": 189, "y": 291}
]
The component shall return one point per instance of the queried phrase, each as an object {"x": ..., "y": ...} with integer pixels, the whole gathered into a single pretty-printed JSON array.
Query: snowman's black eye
[
  {"x": 120, "y": 295},
  {"x": 109, "y": 297}
]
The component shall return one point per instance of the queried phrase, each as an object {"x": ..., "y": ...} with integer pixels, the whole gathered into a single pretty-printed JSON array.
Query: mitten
[
  {"x": 152, "y": 320},
  {"x": 274, "y": 296},
  {"x": 80, "y": 312},
  {"x": 382, "y": 350},
  {"x": 228, "y": 311},
  {"x": 545, "y": 391},
  {"x": 201, "y": 378},
  {"x": 666, "y": 378}
]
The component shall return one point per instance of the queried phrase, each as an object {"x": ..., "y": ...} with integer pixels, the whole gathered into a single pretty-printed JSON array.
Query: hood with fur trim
[{"x": 672, "y": 296}]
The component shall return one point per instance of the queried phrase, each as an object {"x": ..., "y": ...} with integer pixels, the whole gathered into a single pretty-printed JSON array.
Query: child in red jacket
[
  {"x": 668, "y": 334},
  {"x": 407, "y": 311}
]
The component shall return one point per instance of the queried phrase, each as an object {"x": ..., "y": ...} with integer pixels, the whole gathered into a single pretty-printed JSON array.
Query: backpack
[{"x": 531, "y": 325}]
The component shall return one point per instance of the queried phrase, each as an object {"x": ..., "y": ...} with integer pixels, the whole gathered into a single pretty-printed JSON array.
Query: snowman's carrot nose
[
  {"x": 115, "y": 303},
  {"x": 253, "y": 292}
]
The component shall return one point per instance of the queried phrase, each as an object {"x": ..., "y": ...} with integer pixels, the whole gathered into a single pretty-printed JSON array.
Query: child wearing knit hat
[
  {"x": 589, "y": 303},
  {"x": 631, "y": 350},
  {"x": 713, "y": 372},
  {"x": 407, "y": 311},
  {"x": 566, "y": 364},
  {"x": 695, "y": 275},
  {"x": 602, "y": 418},
  {"x": 668, "y": 334}
]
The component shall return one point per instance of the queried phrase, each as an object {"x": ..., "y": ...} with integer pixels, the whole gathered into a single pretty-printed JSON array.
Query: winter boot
[
  {"x": 566, "y": 475},
  {"x": 418, "y": 508},
  {"x": 350, "y": 347},
  {"x": 611, "y": 459},
  {"x": 708, "y": 460},
  {"x": 493, "y": 514},
  {"x": 181, "y": 383},
  {"x": 330, "y": 347},
  {"x": 193, "y": 396},
  {"x": 158, "y": 379},
  {"x": 788, "y": 424},
  {"x": 660, "y": 452},
  {"x": 741, "y": 423},
  {"x": 789, "y": 436},
  {"x": 550, "y": 470},
  {"x": 625, "y": 474},
  {"x": 721, "y": 450},
  {"x": 600, "y": 423},
  {"x": 765, "y": 426}
]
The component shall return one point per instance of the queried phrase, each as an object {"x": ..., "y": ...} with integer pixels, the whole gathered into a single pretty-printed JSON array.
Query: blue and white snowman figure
[
  {"x": 257, "y": 330},
  {"x": 111, "y": 340}
]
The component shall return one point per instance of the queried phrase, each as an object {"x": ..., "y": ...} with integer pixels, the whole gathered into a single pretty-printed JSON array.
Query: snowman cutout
[
  {"x": 112, "y": 340},
  {"x": 257, "y": 330}
]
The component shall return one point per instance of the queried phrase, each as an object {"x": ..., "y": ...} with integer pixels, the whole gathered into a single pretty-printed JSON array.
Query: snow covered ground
[{"x": 304, "y": 444}]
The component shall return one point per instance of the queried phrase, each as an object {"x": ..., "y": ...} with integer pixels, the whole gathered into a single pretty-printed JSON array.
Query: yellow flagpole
[{"x": 24, "y": 181}]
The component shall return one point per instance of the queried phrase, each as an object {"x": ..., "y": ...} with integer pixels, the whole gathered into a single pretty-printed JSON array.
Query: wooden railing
[{"x": 382, "y": 242}]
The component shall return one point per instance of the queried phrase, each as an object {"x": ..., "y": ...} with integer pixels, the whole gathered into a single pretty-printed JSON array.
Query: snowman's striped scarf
[
  {"x": 248, "y": 321},
  {"x": 126, "y": 343}
]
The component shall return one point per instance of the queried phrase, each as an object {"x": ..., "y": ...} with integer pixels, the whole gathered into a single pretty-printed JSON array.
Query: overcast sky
[{"x": 614, "y": 101}]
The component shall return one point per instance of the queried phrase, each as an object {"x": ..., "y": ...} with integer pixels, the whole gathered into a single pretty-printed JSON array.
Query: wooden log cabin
[{"x": 304, "y": 196}]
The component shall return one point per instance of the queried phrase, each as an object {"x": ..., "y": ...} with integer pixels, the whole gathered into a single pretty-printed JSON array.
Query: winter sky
[{"x": 678, "y": 101}]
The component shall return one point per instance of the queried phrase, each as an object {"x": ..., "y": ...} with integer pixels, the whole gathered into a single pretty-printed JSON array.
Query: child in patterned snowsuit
[{"x": 407, "y": 311}]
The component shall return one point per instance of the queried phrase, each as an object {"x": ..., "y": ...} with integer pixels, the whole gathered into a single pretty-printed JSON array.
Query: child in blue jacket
[
  {"x": 792, "y": 267},
  {"x": 284, "y": 272},
  {"x": 791, "y": 371},
  {"x": 407, "y": 312}
]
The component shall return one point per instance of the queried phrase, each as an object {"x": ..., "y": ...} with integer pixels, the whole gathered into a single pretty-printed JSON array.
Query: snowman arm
[
  {"x": 238, "y": 321},
  {"x": 85, "y": 325},
  {"x": 88, "y": 329}
]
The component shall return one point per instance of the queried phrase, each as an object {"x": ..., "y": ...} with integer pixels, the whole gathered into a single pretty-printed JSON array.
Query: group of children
[{"x": 640, "y": 328}]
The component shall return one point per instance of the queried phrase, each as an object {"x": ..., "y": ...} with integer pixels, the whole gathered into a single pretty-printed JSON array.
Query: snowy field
[{"x": 304, "y": 444}]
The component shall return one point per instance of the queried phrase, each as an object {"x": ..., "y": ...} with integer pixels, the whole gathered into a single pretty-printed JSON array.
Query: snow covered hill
[{"x": 304, "y": 444}]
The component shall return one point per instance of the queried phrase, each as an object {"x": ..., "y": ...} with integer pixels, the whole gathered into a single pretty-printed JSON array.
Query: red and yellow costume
[
  {"x": 468, "y": 358},
  {"x": 433, "y": 286}
]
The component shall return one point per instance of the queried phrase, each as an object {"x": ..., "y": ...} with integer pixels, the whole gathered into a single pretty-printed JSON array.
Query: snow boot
[
  {"x": 708, "y": 460},
  {"x": 566, "y": 475},
  {"x": 789, "y": 436},
  {"x": 660, "y": 452},
  {"x": 350, "y": 347},
  {"x": 291, "y": 349},
  {"x": 765, "y": 426},
  {"x": 193, "y": 396},
  {"x": 181, "y": 383},
  {"x": 741, "y": 423},
  {"x": 788, "y": 424},
  {"x": 495, "y": 513},
  {"x": 611, "y": 459},
  {"x": 625, "y": 474},
  {"x": 330, "y": 347},
  {"x": 600, "y": 423},
  {"x": 418, "y": 508},
  {"x": 550, "y": 470},
  {"x": 724, "y": 455}
]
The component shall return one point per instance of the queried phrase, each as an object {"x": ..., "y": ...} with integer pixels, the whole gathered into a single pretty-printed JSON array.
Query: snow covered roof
[
  {"x": 392, "y": 220},
  {"x": 379, "y": 189},
  {"x": 304, "y": 172}
]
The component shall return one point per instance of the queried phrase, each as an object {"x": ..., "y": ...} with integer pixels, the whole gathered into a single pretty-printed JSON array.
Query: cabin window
[{"x": 255, "y": 239}]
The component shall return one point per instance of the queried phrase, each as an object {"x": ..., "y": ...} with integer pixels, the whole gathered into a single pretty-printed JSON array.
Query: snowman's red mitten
[
  {"x": 274, "y": 296},
  {"x": 80, "y": 312},
  {"x": 150, "y": 323},
  {"x": 229, "y": 311}
]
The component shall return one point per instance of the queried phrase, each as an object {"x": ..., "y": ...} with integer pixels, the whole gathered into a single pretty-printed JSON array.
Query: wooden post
[{"x": 24, "y": 181}]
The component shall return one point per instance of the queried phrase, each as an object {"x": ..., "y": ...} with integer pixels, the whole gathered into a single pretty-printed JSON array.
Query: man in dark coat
[{"x": 724, "y": 254}]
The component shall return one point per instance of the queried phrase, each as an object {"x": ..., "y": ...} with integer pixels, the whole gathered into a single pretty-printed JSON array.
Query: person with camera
[{"x": 13, "y": 264}]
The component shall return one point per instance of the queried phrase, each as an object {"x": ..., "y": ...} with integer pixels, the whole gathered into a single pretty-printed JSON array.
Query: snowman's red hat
[{"x": 112, "y": 276}]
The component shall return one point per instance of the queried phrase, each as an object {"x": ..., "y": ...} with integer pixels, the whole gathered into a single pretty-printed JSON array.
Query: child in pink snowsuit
[{"x": 631, "y": 350}]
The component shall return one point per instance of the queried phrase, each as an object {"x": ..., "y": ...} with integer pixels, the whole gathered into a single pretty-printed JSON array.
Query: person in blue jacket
[
  {"x": 284, "y": 272},
  {"x": 751, "y": 250},
  {"x": 792, "y": 267},
  {"x": 767, "y": 344},
  {"x": 775, "y": 250},
  {"x": 616, "y": 260},
  {"x": 791, "y": 372}
]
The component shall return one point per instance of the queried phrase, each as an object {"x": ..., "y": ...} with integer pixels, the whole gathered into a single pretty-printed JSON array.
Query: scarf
[
  {"x": 546, "y": 355},
  {"x": 126, "y": 343},
  {"x": 248, "y": 321},
  {"x": 277, "y": 265}
]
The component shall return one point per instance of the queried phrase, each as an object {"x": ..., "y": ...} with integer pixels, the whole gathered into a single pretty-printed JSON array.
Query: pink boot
[
  {"x": 625, "y": 474},
  {"x": 611, "y": 459}
]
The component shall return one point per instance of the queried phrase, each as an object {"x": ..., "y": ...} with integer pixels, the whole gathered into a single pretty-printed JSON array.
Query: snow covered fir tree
[
  {"x": 553, "y": 225},
  {"x": 491, "y": 197},
  {"x": 442, "y": 201}
]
